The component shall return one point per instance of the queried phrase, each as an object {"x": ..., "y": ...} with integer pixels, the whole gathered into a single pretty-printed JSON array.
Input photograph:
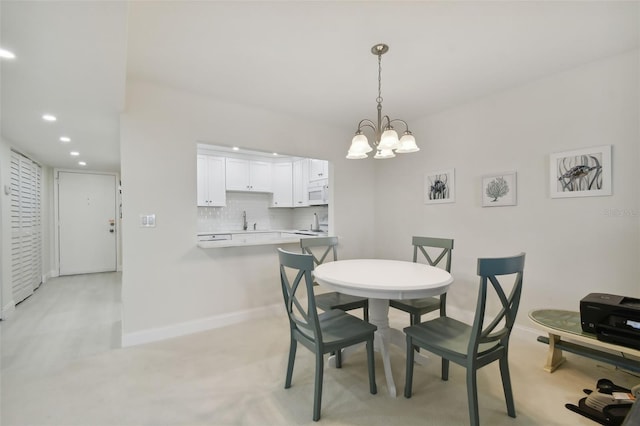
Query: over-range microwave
[{"x": 318, "y": 192}]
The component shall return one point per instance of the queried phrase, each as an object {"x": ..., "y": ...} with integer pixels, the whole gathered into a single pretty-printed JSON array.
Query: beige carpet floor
[{"x": 61, "y": 365}]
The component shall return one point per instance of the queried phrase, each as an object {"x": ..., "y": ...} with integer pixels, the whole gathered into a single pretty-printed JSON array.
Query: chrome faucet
[{"x": 244, "y": 220}]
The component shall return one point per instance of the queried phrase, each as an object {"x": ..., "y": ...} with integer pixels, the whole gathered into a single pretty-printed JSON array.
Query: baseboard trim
[
  {"x": 8, "y": 310},
  {"x": 217, "y": 321},
  {"x": 519, "y": 330},
  {"x": 203, "y": 324}
]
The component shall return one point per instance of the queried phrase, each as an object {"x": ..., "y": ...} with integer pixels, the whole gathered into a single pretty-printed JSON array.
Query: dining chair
[
  {"x": 418, "y": 307},
  {"x": 320, "y": 248},
  {"x": 474, "y": 346},
  {"x": 323, "y": 333}
]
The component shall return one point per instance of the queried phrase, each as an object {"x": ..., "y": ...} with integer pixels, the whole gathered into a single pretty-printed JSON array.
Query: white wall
[
  {"x": 170, "y": 286},
  {"x": 6, "y": 295},
  {"x": 574, "y": 246}
]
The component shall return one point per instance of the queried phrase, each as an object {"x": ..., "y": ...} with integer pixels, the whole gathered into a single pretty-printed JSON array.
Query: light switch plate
[{"x": 148, "y": 220}]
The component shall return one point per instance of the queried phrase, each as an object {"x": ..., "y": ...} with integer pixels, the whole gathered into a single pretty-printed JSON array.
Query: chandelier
[{"x": 385, "y": 137}]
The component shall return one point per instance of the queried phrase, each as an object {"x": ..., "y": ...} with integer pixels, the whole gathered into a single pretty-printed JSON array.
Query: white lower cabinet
[
  {"x": 282, "y": 185},
  {"x": 211, "y": 181}
]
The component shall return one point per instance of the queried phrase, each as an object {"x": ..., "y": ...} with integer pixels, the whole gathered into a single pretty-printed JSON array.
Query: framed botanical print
[{"x": 499, "y": 190}]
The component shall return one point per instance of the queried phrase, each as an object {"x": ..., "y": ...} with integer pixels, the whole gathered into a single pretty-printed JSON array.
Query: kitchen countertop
[{"x": 239, "y": 238}]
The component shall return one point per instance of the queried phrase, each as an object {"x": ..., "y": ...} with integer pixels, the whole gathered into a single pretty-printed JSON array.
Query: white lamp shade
[
  {"x": 360, "y": 144},
  {"x": 356, "y": 156},
  {"x": 389, "y": 140},
  {"x": 383, "y": 154},
  {"x": 407, "y": 144}
]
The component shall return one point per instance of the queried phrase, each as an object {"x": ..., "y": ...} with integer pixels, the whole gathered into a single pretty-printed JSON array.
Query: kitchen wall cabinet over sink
[
  {"x": 248, "y": 175},
  {"x": 211, "y": 181},
  {"x": 318, "y": 170},
  {"x": 282, "y": 185},
  {"x": 300, "y": 183}
]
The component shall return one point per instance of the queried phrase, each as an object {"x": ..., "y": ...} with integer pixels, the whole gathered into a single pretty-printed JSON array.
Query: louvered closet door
[{"x": 26, "y": 233}]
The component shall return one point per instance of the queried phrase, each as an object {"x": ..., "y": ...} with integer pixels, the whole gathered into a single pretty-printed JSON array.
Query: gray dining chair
[
  {"x": 418, "y": 307},
  {"x": 323, "y": 333},
  {"x": 320, "y": 248},
  {"x": 474, "y": 346}
]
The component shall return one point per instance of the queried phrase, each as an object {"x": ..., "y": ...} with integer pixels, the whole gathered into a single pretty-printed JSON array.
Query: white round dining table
[{"x": 381, "y": 280}]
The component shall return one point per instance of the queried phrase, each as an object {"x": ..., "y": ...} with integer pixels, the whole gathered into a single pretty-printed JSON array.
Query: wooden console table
[{"x": 566, "y": 324}]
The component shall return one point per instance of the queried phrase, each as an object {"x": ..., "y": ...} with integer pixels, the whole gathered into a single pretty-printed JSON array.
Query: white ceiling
[{"x": 303, "y": 58}]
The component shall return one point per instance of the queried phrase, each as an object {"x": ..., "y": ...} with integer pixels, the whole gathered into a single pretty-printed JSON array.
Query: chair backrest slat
[
  {"x": 303, "y": 317},
  {"x": 319, "y": 248},
  {"x": 419, "y": 244},
  {"x": 489, "y": 270}
]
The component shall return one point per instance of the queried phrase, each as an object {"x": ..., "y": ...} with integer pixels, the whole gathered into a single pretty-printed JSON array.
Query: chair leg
[
  {"x": 413, "y": 320},
  {"x": 408, "y": 380},
  {"x": 292, "y": 357},
  {"x": 472, "y": 396},
  {"x": 338, "y": 355},
  {"x": 506, "y": 384},
  {"x": 445, "y": 369},
  {"x": 365, "y": 308},
  {"x": 317, "y": 395},
  {"x": 372, "y": 368}
]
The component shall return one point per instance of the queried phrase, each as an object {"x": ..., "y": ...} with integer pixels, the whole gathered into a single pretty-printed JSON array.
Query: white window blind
[{"x": 26, "y": 226}]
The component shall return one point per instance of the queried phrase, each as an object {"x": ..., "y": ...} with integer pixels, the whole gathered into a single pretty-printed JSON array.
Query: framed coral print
[
  {"x": 439, "y": 187},
  {"x": 499, "y": 190},
  {"x": 580, "y": 173}
]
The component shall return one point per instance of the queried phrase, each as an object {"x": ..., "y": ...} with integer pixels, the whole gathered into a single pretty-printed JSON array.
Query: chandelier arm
[
  {"x": 386, "y": 126},
  {"x": 406, "y": 126},
  {"x": 366, "y": 123}
]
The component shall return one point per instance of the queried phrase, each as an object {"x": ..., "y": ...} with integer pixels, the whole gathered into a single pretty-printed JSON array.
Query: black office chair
[
  {"x": 319, "y": 248},
  {"x": 328, "y": 332},
  {"x": 418, "y": 307},
  {"x": 474, "y": 346}
]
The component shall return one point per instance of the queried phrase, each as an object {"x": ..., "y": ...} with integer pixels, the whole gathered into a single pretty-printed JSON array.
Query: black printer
[{"x": 613, "y": 319}]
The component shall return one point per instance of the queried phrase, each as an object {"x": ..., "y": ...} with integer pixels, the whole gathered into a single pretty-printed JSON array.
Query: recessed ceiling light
[
  {"x": 49, "y": 117},
  {"x": 65, "y": 139},
  {"x": 235, "y": 148},
  {"x": 275, "y": 153},
  {"x": 74, "y": 153},
  {"x": 6, "y": 54},
  {"x": 82, "y": 163}
]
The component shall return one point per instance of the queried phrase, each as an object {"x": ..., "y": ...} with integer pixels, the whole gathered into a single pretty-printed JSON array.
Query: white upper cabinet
[
  {"x": 211, "y": 181},
  {"x": 300, "y": 183},
  {"x": 282, "y": 185},
  {"x": 318, "y": 169},
  {"x": 248, "y": 175}
]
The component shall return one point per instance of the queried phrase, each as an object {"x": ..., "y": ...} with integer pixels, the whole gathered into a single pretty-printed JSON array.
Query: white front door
[{"x": 86, "y": 222}]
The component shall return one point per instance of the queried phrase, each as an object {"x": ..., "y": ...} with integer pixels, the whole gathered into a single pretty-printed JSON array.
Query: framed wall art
[
  {"x": 439, "y": 187},
  {"x": 580, "y": 173},
  {"x": 499, "y": 189}
]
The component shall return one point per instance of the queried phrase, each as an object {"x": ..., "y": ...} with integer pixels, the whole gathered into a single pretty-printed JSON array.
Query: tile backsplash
[{"x": 229, "y": 218}]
